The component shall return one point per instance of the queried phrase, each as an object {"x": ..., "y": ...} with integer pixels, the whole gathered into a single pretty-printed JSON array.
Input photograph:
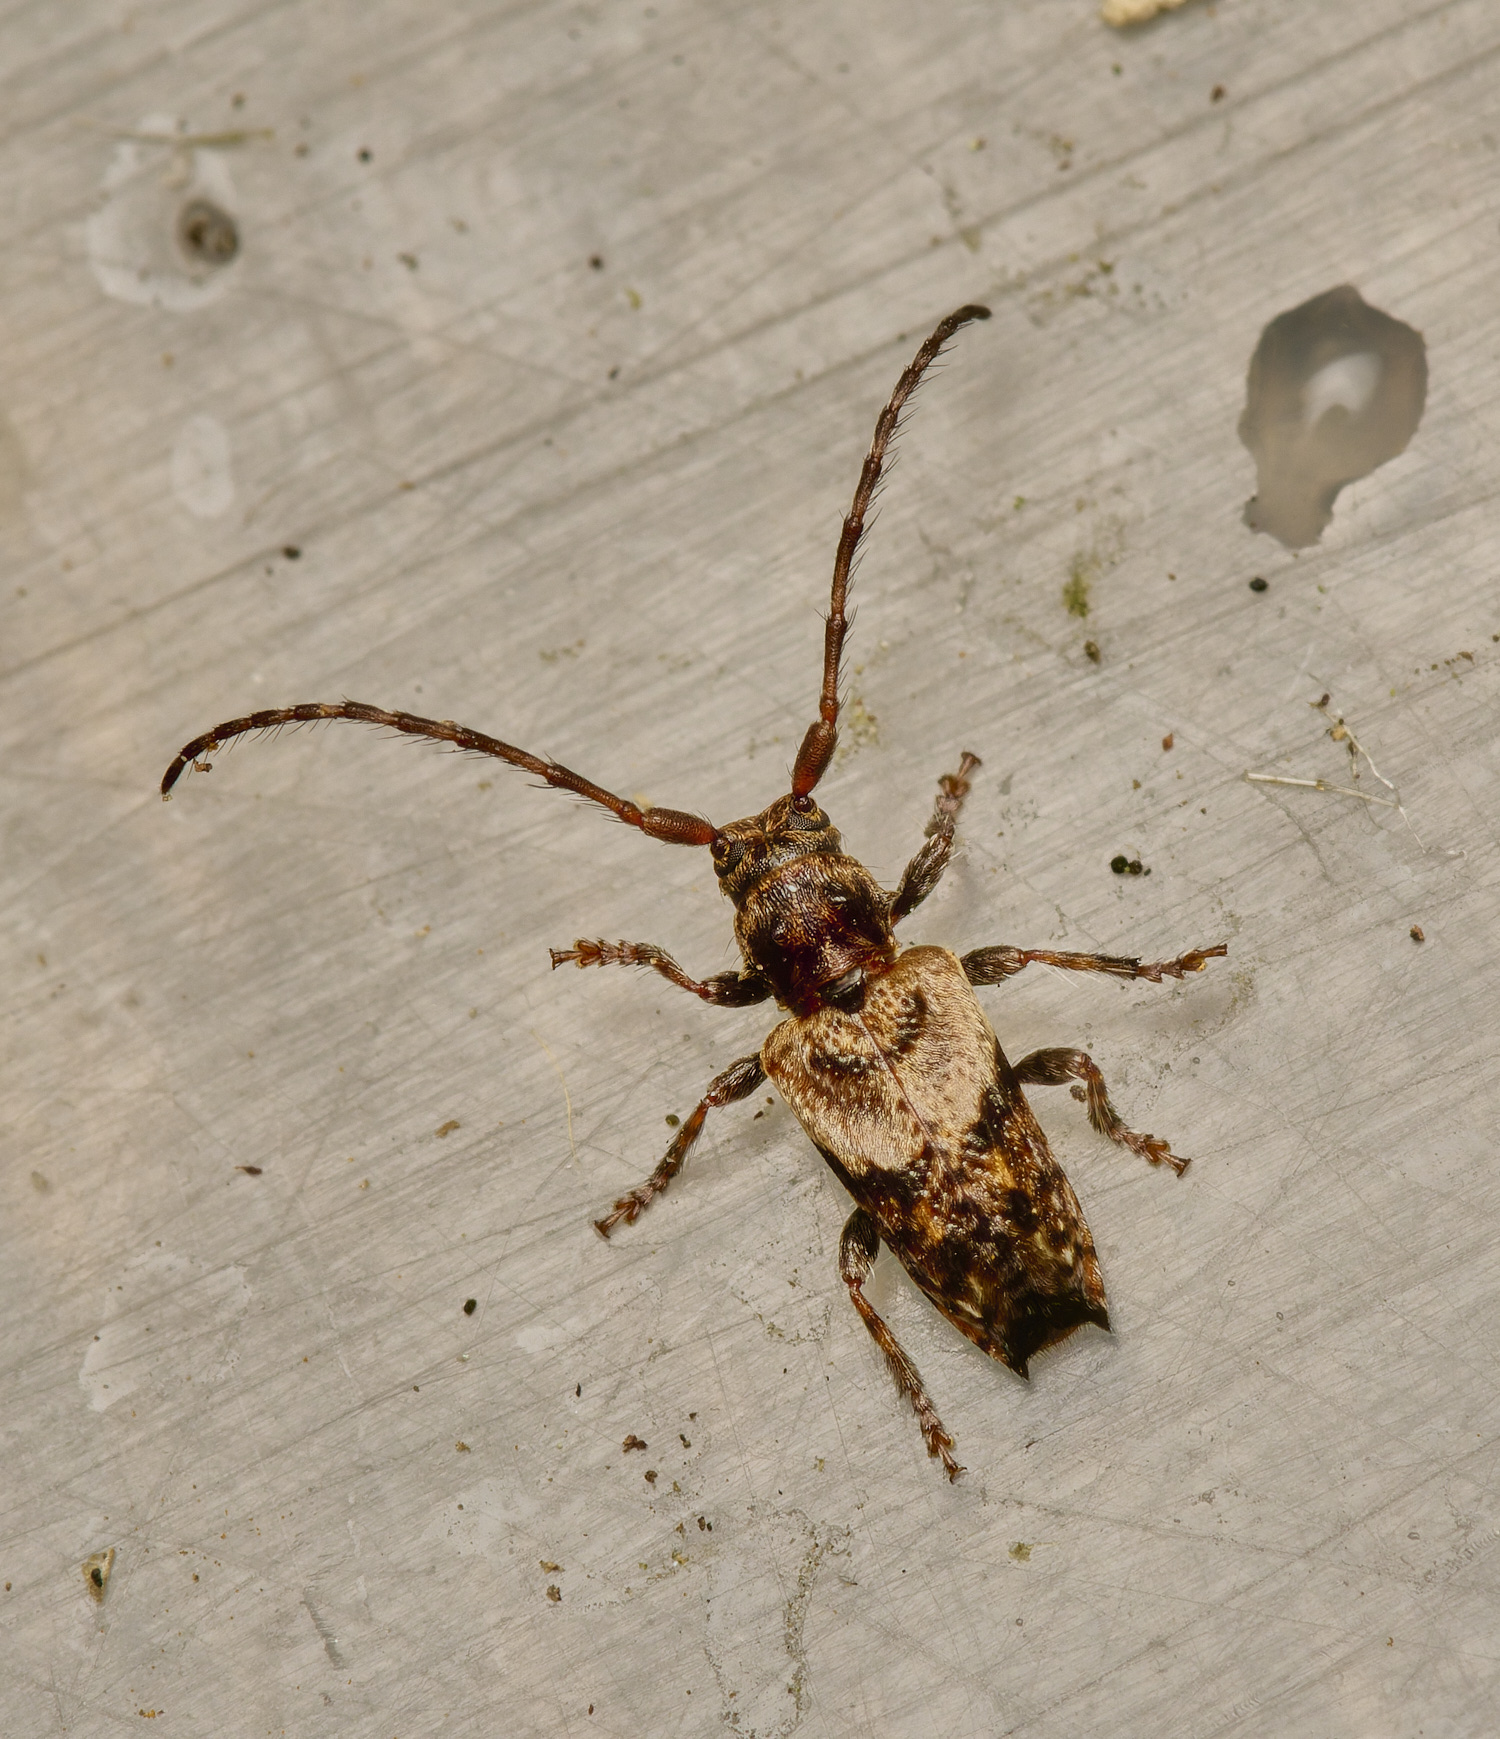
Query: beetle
[{"x": 885, "y": 1055}]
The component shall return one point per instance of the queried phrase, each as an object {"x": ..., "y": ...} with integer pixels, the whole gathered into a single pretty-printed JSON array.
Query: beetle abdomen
[{"x": 913, "y": 1104}]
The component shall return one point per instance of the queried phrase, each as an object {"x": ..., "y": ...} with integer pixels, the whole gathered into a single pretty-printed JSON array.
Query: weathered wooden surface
[{"x": 593, "y": 510}]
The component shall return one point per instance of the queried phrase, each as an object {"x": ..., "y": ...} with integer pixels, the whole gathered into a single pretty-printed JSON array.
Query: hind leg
[{"x": 857, "y": 1251}]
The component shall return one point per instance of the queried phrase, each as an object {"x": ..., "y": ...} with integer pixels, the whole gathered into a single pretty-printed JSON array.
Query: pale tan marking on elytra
[
  {"x": 942, "y": 1071},
  {"x": 929, "y": 1134}
]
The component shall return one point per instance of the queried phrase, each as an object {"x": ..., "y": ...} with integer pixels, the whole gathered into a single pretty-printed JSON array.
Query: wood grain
[{"x": 592, "y": 509}]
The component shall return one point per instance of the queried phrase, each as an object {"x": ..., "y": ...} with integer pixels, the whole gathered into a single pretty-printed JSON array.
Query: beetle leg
[
  {"x": 738, "y": 1081},
  {"x": 725, "y": 989},
  {"x": 857, "y": 1251},
  {"x": 1056, "y": 1068},
  {"x": 992, "y": 965},
  {"x": 925, "y": 870}
]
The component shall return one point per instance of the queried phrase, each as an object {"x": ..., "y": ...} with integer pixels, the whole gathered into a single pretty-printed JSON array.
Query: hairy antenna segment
[
  {"x": 673, "y": 826},
  {"x": 822, "y": 734}
]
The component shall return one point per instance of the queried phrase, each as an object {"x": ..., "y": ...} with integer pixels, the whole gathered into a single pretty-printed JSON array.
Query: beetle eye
[{"x": 726, "y": 854}]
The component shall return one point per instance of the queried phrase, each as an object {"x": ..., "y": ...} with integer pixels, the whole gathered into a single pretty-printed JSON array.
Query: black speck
[
  {"x": 292, "y": 551},
  {"x": 1258, "y": 584},
  {"x": 364, "y": 154},
  {"x": 470, "y": 1306},
  {"x": 597, "y": 262},
  {"x": 207, "y": 232}
]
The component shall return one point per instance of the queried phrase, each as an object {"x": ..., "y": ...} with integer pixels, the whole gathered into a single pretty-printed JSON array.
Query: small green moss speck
[
  {"x": 1075, "y": 594},
  {"x": 858, "y": 728}
]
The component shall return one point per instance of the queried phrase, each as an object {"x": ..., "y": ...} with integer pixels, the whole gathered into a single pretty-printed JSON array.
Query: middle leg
[
  {"x": 738, "y": 1081},
  {"x": 857, "y": 1251},
  {"x": 994, "y": 965},
  {"x": 1057, "y": 1068}
]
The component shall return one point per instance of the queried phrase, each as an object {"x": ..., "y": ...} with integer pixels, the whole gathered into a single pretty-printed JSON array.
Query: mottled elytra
[{"x": 885, "y": 1056}]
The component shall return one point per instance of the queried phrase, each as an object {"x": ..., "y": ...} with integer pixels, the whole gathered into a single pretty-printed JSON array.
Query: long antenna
[
  {"x": 822, "y": 734},
  {"x": 671, "y": 825}
]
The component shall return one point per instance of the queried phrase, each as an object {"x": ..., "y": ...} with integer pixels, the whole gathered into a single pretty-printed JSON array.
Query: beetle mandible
[{"x": 885, "y": 1056}]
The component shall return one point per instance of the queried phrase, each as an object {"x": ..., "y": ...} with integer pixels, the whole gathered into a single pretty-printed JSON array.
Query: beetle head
[
  {"x": 809, "y": 919},
  {"x": 745, "y": 852}
]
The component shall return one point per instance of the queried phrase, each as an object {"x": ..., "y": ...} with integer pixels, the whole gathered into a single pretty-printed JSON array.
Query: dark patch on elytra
[
  {"x": 1020, "y": 1211},
  {"x": 1000, "y": 1107},
  {"x": 889, "y": 1195},
  {"x": 910, "y": 1022},
  {"x": 843, "y": 1065}
]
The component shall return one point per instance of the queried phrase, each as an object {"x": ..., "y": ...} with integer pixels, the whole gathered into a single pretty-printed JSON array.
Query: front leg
[
  {"x": 738, "y": 1081},
  {"x": 1056, "y": 1068},
  {"x": 725, "y": 990},
  {"x": 925, "y": 870},
  {"x": 992, "y": 965}
]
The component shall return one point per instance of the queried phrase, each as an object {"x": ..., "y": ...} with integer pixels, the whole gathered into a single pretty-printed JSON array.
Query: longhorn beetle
[{"x": 886, "y": 1056}]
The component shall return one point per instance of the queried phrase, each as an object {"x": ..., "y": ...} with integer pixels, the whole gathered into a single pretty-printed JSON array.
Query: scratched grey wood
[{"x": 593, "y": 509}]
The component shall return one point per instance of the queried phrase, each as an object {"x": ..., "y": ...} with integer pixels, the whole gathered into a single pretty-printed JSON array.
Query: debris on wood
[
  {"x": 1123, "y": 13},
  {"x": 96, "y": 1571}
]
